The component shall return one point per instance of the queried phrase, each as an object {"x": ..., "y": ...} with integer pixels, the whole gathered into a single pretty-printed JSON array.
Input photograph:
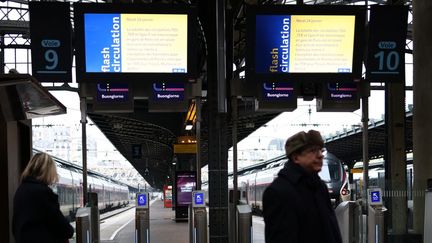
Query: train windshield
[{"x": 330, "y": 172}]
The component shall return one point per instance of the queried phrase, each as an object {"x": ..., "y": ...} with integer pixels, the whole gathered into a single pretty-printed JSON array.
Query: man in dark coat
[{"x": 297, "y": 206}]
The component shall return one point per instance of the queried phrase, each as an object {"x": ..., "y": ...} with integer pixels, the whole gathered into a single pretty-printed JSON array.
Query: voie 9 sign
[
  {"x": 51, "y": 41},
  {"x": 134, "y": 42},
  {"x": 305, "y": 43}
]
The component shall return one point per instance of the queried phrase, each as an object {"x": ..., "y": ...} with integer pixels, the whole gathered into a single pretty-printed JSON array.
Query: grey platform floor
[{"x": 163, "y": 227}]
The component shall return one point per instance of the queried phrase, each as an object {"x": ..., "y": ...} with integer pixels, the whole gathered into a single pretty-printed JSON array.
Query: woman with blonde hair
[{"x": 36, "y": 215}]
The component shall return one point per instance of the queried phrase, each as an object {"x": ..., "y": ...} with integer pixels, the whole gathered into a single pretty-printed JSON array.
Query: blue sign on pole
[
  {"x": 199, "y": 198},
  {"x": 142, "y": 200},
  {"x": 375, "y": 196}
]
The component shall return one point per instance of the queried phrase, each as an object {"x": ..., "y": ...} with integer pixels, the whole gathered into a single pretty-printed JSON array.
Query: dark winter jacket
[
  {"x": 36, "y": 216},
  {"x": 297, "y": 209}
]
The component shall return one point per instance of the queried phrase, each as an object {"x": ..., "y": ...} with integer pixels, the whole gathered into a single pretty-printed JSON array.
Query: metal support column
[
  {"x": 365, "y": 140},
  {"x": 217, "y": 123},
  {"x": 422, "y": 117},
  {"x": 234, "y": 201},
  {"x": 395, "y": 157}
]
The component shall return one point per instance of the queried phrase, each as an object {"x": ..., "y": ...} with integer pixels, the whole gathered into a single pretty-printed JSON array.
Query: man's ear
[{"x": 294, "y": 157}]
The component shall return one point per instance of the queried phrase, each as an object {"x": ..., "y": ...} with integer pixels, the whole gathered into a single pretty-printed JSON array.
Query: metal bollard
[
  {"x": 232, "y": 216},
  {"x": 199, "y": 225},
  {"x": 427, "y": 236},
  {"x": 142, "y": 219},
  {"x": 232, "y": 222},
  {"x": 348, "y": 217},
  {"x": 95, "y": 217},
  {"x": 376, "y": 228},
  {"x": 191, "y": 228},
  {"x": 244, "y": 224},
  {"x": 198, "y": 218},
  {"x": 142, "y": 225},
  {"x": 83, "y": 225}
]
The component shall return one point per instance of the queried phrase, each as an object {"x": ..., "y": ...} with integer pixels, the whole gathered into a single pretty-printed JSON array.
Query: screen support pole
[
  {"x": 365, "y": 93},
  {"x": 83, "y": 106},
  {"x": 198, "y": 141}
]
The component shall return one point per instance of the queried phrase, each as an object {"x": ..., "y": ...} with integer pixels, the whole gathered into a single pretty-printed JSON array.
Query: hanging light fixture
[{"x": 189, "y": 125}]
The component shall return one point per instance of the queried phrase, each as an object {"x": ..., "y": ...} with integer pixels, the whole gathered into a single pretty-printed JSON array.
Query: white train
[
  {"x": 251, "y": 184},
  {"x": 111, "y": 193}
]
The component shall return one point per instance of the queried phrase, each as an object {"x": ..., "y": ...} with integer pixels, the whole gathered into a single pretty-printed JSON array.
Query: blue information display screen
[
  {"x": 199, "y": 198},
  {"x": 142, "y": 200},
  {"x": 136, "y": 43},
  {"x": 304, "y": 43}
]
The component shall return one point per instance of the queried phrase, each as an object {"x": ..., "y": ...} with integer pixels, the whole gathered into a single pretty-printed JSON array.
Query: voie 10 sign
[
  {"x": 134, "y": 42},
  {"x": 305, "y": 43},
  {"x": 386, "y": 45}
]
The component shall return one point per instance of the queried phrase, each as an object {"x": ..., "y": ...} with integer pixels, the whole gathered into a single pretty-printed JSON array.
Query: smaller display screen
[
  {"x": 341, "y": 91},
  {"x": 112, "y": 92},
  {"x": 168, "y": 195},
  {"x": 278, "y": 91},
  {"x": 186, "y": 183},
  {"x": 168, "y": 92}
]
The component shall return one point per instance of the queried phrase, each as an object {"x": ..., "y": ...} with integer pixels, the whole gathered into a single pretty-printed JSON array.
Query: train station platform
[{"x": 120, "y": 228}]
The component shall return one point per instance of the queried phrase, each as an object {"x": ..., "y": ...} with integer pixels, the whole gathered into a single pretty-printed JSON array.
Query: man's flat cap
[{"x": 303, "y": 139}]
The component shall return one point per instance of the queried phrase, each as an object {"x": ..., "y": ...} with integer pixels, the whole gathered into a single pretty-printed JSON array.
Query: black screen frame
[
  {"x": 358, "y": 51},
  {"x": 82, "y": 8}
]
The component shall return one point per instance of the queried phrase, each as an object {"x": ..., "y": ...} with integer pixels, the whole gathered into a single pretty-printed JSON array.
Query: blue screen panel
[
  {"x": 199, "y": 198},
  {"x": 142, "y": 200},
  {"x": 102, "y": 42}
]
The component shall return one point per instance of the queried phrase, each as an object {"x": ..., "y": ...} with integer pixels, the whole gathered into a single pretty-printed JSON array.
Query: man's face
[{"x": 311, "y": 159}]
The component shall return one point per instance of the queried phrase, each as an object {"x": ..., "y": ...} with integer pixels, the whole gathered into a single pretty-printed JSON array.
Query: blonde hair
[{"x": 42, "y": 167}]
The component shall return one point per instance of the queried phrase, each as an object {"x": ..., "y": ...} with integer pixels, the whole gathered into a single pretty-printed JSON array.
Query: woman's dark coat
[
  {"x": 37, "y": 217},
  {"x": 297, "y": 209}
]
